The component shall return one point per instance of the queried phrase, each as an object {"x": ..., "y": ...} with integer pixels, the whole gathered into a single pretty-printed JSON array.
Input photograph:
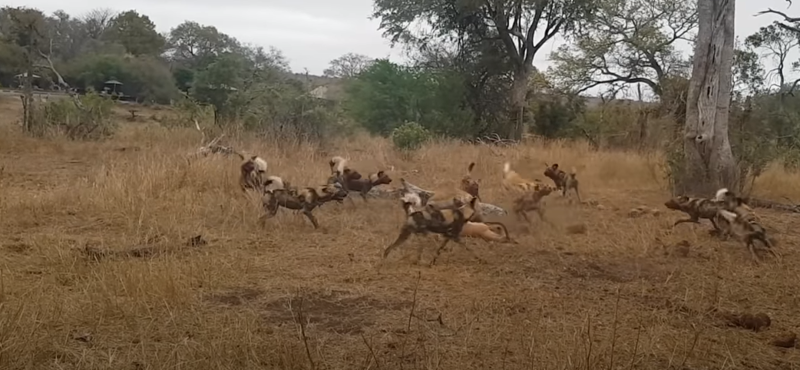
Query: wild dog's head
[
  {"x": 380, "y": 178},
  {"x": 333, "y": 190},
  {"x": 470, "y": 185},
  {"x": 677, "y": 203}
]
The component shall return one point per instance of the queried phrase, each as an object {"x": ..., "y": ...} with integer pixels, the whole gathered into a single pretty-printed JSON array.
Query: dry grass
[{"x": 626, "y": 294}]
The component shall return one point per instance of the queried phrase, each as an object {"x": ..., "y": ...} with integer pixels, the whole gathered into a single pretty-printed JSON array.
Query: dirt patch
[
  {"x": 333, "y": 312},
  {"x": 618, "y": 271},
  {"x": 235, "y": 297}
]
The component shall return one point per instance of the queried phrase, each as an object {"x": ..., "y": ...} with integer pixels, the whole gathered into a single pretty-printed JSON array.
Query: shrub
[
  {"x": 410, "y": 136},
  {"x": 80, "y": 118}
]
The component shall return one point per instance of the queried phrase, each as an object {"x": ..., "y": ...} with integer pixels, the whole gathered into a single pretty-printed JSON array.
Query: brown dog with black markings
[
  {"x": 532, "y": 201},
  {"x": 744, "y": 225},
  {"x": 697, "y": 209},
  {"x": 305, "y": 199},
  {"x": 512, "y": 181},
  {"x": 363, "y": 186},
  {"x": 562, "y": 180},
  {"x": 470, "y": 185},
  {"x": 446, "y": 222}
]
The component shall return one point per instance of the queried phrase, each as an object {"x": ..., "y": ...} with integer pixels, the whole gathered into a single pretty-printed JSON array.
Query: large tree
[
  {"x": 708, "y": 162},
  {"x": 348, "y": 65},
  {"x": 627, "y": 42},
  {"x": 522, "y": 26},
  {"x": 136, "y": 32}
]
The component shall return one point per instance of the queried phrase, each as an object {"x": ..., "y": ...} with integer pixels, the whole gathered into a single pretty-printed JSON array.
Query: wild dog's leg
[
  {"x": 540, "y": 212},
  {"x": 364, "y": 195},
  {"x": 752, "y": 248},
  {"x": 768, "y": 244},
  {"x": 405, "y": 232},
  {"x": 439, "y": 251},
  {"x": 692, "y": 219},
  {"x": 307, "y": 211},
  {"x": 578, "y": 194}
]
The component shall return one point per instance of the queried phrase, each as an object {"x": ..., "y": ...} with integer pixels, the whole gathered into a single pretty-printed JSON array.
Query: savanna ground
[{"x": 627, "y": 294}]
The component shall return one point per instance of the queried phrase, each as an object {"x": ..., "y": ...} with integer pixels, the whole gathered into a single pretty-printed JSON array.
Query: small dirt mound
[{"x": 333, "y": 312}]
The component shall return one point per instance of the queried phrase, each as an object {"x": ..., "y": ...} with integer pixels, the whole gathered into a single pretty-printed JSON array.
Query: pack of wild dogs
[{"x": 454, "y": 212}]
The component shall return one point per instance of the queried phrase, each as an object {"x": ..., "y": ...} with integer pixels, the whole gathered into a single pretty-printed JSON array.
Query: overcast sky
[{"x": 312, "y": 32}]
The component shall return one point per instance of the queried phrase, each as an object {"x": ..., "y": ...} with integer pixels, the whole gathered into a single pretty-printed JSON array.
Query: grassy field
[{"x": 630, "y": 293}]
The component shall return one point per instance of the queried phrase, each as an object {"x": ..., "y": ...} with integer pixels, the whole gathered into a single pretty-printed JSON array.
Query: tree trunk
[
  {"x": 708, "y": 162},
  {"x": 516, "y": 114},
  {"x": 27, "y": 100}
]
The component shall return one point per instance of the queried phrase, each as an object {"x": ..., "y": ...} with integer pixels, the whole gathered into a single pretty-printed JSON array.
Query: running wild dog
[
  {"x": 305, "y": 200},
  {"x": 562, "y": 180},
  {"x": 446, "y": 222},
  {"x": 746, "y": 228},
  {"x": 363, "y": 186},
  {"x": 469, "y": 185},
  {"x": 252, "y": 172},
  {"x": 696, "y": 208},
  {"x": 513, "y": 181},
  {"x": 532, "y": 201}
]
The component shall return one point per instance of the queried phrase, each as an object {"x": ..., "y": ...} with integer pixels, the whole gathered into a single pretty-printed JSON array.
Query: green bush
[
  {"x": 410, "y": 136},
  {"x": 81, "y": 118}
]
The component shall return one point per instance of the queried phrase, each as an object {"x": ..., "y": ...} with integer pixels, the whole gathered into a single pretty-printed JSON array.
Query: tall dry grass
[{"x": 289, "y": 297}]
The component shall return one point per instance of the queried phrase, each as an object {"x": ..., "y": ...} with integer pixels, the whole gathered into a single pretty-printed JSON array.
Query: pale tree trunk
[
  {"x": 708, "y": 161},
  {"x": 519, "y": 93}
]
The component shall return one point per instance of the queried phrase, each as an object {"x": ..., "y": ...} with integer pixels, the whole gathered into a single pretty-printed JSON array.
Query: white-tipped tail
[
  {"x": 261, "y": 164},
  {"x": 506, "y": 167},
  {"x": 721, "y": 193},
  {"x": 274, "y": 183},
  {"x": 728, "y": 215}
]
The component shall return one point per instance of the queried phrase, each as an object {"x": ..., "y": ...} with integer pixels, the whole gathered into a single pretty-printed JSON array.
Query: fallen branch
[
  {"x": 395, "y": 193},
  {"x": 212, "y": 147},
  {"x": 778, "y": 206}
]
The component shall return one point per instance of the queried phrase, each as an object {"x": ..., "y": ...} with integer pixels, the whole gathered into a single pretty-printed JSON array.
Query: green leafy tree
[
  {"x": 523, "y": 27},
  {"x": 216, "y": 83},
  {"x": 348, "y": 65},
  {"x": 136, "y": 32},
  {"x": 626, "y": 42}
]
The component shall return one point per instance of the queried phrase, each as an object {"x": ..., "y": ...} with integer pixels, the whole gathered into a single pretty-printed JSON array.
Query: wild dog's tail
[
  {"x": 338, "y": 163},
  {"x": 506, "y": 168},
  {"x": 470, "y": 167},
  {"x": 274, "y": 182},
  {"x": 261, "y": 164},
  {"x": 721, "y": 193}
]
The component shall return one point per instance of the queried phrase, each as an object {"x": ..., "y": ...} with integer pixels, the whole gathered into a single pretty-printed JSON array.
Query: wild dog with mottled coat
[
  {"x": 697, "y": 208},
  {"x": 364, "y": 185},
  {"x": 422, "y": 220},
  {"x": 532, "y": 201},
  {"x": 304, "y": 199},
  {"x": 562, "y": 180},
  {"x": 512, "y": 181},
  {"x": 744, "y": 225},
  {"x": 252, "y": 172},
  {"x": 470, "y": 185}
]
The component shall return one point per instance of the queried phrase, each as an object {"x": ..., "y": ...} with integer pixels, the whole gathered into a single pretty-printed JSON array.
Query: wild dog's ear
[
  {"x": 253, "y": 158},
  {"x": 381, "y": 173}
]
